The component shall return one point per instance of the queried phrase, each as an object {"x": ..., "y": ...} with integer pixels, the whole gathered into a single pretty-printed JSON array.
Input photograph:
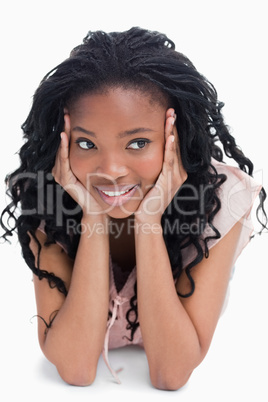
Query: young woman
[{"x": 129, "y": 219}]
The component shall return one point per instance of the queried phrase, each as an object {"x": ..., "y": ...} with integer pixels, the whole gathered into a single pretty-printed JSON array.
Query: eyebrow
[
  {"x": 83, "y": 130},
  {"x": 120, "y": 135},
  {"x": 134, "y": 131}
]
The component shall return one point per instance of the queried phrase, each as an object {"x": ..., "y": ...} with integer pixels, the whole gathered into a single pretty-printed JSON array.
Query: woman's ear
[{"x": 65, "y": 110}]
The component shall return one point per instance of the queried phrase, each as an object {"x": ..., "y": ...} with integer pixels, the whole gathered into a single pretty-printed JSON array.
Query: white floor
[{"x": 227, "y": 41}]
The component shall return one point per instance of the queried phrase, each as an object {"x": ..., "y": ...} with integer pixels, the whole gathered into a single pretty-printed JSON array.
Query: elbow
[
  {"x": 174, "y": 375},
  {"x": 78, "y": 376},
  {"x": 169, "y": 381},
  {"x": 74, "y": 370}
]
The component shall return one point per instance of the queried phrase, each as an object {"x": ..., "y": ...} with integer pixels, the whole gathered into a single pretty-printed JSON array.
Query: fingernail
[{"x": 171, "y": 144}]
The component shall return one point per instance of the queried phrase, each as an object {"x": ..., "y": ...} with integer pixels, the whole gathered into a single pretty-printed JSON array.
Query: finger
[
  {"x": 170, "y": 113},
  {"x": 67, "y": 125},
  {"x": 64, "y": 152},
  {"x": 169, "y": 153},
  {"x": 170, "y": 131},
  {"x": 172, "y": 157},
  {"x": 62, "y": 166},
  {"x": 170, "y": 121}
]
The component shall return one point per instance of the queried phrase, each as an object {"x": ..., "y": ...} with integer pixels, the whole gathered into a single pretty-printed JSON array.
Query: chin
[
  {"x": 120, "y": 214},
  {"x": 123, "y": 211}
]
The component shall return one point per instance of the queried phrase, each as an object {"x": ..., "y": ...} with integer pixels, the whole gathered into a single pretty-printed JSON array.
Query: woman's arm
[
  {"x": 75, "y": 340},
  {"x": 176, "y": 331}
]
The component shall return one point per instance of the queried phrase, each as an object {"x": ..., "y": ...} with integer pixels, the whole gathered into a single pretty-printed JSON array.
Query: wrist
[
  {"x": 148, "y": 228},
  {"x": 152, "y": 219},
  {"x": 95, "y": 225},
  {"x": 94, "y": 217}
]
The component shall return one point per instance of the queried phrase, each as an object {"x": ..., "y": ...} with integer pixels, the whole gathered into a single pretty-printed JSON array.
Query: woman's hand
[
  {"x": 170, "y": 179},
  {"x": 64, "y": 176}
]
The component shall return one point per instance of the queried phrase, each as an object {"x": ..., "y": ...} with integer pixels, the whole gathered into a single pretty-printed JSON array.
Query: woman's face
[{"x": 117, "y": 147}]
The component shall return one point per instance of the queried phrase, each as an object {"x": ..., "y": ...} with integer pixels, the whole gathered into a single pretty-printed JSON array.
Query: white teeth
[{"x": 114, "y": 193}]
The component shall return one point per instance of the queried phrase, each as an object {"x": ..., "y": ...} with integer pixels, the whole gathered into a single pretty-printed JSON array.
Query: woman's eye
[
  {"x": 84, "y": 144},
  {"x": 139, "y": 144}
]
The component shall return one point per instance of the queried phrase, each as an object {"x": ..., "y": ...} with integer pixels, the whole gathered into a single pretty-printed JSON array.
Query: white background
[{"x": 227, "y": 41}]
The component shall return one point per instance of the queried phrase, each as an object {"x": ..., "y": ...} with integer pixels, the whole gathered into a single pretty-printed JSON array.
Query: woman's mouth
[{"x": 116, "y": 196}]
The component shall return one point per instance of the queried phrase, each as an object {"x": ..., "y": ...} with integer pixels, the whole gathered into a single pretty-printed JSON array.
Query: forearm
[
  {"x": 77, "y": 333},
  {"x": 170, "y": 339}
]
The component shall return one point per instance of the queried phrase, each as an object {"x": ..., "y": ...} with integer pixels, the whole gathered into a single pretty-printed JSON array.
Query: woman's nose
[{"x": 112, "y": 165}]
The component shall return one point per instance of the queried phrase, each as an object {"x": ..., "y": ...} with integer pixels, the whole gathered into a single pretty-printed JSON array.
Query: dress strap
[{"x": 118, "y": 301}]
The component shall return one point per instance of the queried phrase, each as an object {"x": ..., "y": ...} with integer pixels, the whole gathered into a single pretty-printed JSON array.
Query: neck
[{"x": 121, "y": 228}]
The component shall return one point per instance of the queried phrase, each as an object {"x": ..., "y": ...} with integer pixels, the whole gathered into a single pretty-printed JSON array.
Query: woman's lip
[
  {"x": 115, "y": 198},
  {"x": 122, "y": 187}
]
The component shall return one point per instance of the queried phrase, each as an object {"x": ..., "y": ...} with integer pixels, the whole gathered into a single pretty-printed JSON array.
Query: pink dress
[{"x": 117, "y": 334}]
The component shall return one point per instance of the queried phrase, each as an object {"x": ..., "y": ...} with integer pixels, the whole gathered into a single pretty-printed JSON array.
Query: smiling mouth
[
  {"x": 117, "y": 198},
  {"x": 115, "y": 193}
]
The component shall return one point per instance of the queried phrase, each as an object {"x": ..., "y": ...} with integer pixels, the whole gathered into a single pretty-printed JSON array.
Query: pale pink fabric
[
  {"x": 237, "y": 195},
  {"x": 117, "y": 334}
]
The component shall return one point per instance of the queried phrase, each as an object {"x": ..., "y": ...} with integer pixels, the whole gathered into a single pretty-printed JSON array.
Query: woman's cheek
[
  {"x": 78, "y": 168},
  {"x": 152, "y": 165}
]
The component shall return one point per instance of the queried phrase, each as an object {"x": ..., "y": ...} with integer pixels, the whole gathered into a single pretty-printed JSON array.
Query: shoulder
[
  {"x": 237, "y": 195},
  {"x": 51, "y": 257},
  {"x": 238, "y": 192}
]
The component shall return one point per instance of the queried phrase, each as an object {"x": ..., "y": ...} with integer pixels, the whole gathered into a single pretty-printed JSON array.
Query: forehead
[
  {"x": 117, "y": 111},
  {"x": 118, "y": 98}
]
